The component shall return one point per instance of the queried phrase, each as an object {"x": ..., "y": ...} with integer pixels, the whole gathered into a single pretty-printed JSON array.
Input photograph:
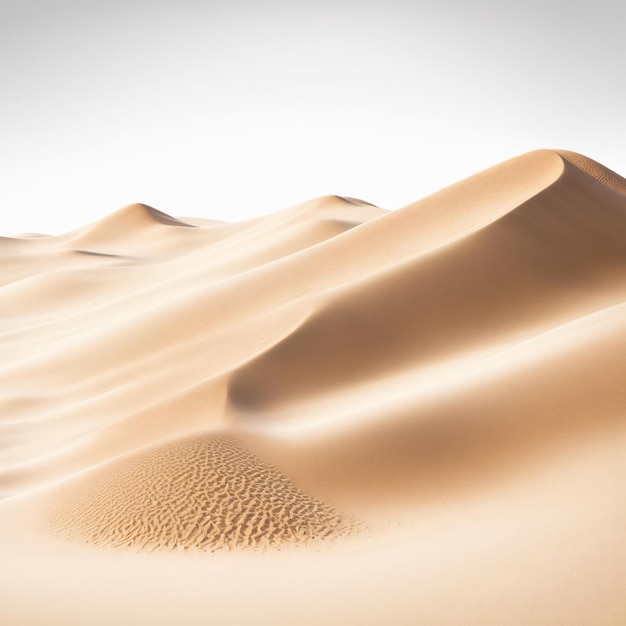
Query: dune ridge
[{"x": 330, "y": 377}]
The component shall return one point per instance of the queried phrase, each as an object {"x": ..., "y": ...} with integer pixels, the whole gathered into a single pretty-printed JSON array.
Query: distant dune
[{"x": 331, "y": 414}]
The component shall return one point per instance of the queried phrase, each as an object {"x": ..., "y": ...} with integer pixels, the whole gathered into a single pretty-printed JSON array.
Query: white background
[{"x": 233, "y": 109}]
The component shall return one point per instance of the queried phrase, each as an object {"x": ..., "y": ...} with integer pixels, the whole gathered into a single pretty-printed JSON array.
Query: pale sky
[{"x": 229, "y": 110}]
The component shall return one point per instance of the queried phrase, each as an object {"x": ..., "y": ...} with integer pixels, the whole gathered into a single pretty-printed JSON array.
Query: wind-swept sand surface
[{"x": 332, "y": 414}]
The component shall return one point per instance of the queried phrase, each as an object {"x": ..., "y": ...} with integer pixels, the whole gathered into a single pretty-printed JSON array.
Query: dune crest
[
  {"x": 596, "y": 170},
  {"x": 426, "y": 401},
  {"x": 137, "y": 215}
]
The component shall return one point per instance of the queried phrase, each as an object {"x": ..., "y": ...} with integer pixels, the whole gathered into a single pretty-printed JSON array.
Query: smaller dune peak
[
  {"x": 356, "y": 201},
  {"x": 340, "y": 208},
  {"x": 126, "y": 225},
  {"x": 333, "y": 199},
  {"x": 139, "y": 211}
]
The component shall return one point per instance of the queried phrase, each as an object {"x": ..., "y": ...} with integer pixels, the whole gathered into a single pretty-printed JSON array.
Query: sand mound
[
  {"x": 206, "y": 492},
  {"x": 433, "y": 394}
]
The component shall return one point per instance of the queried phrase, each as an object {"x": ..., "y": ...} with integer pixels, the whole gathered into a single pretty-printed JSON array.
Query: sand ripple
[{"x": 208, "y": 492}]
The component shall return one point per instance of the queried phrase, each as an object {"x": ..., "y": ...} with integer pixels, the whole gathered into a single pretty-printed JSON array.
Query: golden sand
[{"x": 332, "y": 414}]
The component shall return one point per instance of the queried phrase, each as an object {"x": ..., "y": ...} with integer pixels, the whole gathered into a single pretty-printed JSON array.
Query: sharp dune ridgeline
[{"x": 331, "y": 414}]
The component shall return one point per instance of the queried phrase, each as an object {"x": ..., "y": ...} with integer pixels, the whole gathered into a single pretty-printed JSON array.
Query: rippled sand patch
[{"x": 208, "y": 492}]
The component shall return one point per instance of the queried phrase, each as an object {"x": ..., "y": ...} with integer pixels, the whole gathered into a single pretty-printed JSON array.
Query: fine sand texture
[{"x": 333, "y": 414}]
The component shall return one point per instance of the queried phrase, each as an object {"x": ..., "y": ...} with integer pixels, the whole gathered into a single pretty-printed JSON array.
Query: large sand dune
[{"x": 331, "y": 414}]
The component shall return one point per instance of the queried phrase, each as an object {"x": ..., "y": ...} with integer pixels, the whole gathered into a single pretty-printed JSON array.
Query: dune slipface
[{"x": 333, "y": 413}]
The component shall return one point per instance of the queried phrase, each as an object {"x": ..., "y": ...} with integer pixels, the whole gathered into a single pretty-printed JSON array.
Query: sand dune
[{"x": 335, "y": 412}]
